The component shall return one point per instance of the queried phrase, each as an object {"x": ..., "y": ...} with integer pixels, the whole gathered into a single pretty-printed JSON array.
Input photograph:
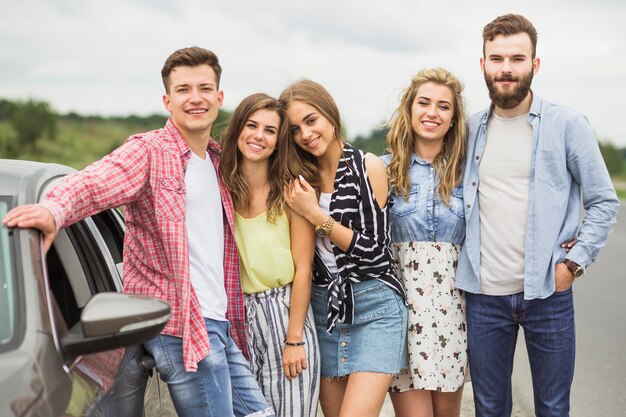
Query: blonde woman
[{"x": 427, "y": 144}]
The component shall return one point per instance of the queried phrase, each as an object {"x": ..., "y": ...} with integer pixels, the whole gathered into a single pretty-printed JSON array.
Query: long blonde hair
[{"x": 401, "y": 138}]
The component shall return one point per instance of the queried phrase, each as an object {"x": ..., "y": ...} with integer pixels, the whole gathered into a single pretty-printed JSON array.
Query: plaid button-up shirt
[{"x": 147, "y": 176}]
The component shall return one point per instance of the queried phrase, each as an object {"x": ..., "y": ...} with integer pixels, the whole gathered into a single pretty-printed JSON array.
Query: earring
[{"x": 451, "y": 123}]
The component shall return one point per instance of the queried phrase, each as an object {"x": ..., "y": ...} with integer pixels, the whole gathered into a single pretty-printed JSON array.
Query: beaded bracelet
[{"x": 294, "y": 343}]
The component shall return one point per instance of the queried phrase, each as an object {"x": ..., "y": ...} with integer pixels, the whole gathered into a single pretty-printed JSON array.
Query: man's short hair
[
  {"x": 190, "y": 57},
  {"x": 507, "y": 25}
]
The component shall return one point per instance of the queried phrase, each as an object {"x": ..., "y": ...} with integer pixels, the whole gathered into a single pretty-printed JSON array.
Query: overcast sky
[{"x": 105, "y": 57}]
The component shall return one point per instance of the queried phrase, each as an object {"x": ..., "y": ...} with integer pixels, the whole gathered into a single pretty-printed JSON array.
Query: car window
[
  {"x": 79, "y": 266},
  {"x": 7, "y": 285}
]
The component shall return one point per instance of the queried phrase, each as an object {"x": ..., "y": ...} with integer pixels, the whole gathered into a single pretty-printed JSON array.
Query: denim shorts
[{"x": 374, "y": 342}]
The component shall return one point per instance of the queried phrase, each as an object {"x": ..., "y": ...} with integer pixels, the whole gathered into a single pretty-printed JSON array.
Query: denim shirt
[
  {"x": 565, "y": 159},
  {"x": 424, "y": 218}
]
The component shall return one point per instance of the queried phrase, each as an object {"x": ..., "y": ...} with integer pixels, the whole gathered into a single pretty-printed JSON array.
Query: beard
[{"x": 511, "y": 98}]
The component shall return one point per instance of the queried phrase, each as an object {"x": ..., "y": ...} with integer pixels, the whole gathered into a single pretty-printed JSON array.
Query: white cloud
[{"x": 105, "y": 57}]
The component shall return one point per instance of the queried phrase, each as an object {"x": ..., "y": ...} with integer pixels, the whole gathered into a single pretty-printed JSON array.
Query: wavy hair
[
  {"x": 314, "y": 94},
  {"x": 283, "y": 163},
  {"x": 401, "y": 138}
]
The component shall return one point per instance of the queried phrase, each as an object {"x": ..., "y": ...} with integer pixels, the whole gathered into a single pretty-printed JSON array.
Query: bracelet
[{"x": 294, "y": 343}]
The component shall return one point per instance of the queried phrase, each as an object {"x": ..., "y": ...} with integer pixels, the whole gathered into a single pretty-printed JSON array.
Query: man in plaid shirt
[{"x": 179, "y": 244}]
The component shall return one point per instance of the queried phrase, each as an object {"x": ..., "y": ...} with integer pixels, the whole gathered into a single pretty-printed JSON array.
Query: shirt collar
[
  {"x": 418, "y": 160},
  {"x": 178, "y": 143}
]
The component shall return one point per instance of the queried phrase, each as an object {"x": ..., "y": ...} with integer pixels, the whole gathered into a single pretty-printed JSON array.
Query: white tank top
[
  {"x": 323, "y": 244},
  {"x": 205, "y": 231}
]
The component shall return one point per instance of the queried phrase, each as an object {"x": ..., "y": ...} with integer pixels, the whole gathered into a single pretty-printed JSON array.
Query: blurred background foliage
[{"x": 32, "y": 129}]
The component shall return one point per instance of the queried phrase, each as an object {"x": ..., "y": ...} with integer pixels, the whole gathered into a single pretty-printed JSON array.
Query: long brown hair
[
  {"x": 313, "y": 94},
  {"x": 401, "y": 138},
  {"x": 283, "y": 163}
]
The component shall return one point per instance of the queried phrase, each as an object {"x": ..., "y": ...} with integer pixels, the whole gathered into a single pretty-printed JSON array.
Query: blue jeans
[
  {"x": 492, "y": 326},
  {"x": 223, "y": 384},
  {"x": 125, "y": 398}
]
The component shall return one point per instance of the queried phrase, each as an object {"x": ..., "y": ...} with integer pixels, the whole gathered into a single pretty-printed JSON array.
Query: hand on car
[{"x": 33, "y": 216}]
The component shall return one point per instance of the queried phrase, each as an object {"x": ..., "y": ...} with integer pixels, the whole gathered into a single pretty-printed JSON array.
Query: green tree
[
  {"x": 375, "y": 142},
  {"x": 31, "y": 120},
  {"x": 612, "y": 158},
  {"x": 7, "y": 107}
]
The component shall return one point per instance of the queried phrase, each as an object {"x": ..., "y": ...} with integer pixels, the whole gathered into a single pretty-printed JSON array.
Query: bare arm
[
  {"x": 302, "y": 250},
  {"x": 300, "y": 196}
]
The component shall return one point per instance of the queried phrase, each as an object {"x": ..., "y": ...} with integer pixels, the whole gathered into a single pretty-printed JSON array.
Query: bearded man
[{"x": 527, "y": 162}]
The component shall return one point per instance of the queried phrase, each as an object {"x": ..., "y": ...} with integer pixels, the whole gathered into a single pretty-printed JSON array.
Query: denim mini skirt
[{"x": 374, "y": 342}]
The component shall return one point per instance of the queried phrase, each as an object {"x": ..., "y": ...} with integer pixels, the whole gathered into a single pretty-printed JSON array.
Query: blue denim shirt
[
  {"x": 422, "y": 218},
  {"x": 565, "y": 160}
]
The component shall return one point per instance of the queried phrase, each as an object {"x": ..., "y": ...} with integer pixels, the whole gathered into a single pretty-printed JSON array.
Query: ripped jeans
[{"x": 222, "y": 386}]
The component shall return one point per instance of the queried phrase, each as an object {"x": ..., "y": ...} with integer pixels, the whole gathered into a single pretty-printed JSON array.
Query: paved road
[
  {"x": 600, "y": 306},
  {"x": 600, "y": 377}
]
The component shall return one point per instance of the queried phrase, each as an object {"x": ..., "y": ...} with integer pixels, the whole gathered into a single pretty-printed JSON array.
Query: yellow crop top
[{"x": 264, "y": 252}]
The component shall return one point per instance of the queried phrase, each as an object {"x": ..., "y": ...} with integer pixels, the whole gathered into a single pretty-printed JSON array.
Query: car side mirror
[{"x": 112, "y": 320}]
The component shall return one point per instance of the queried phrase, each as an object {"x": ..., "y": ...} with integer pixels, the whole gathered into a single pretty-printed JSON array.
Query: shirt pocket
[
  {"x": 170, "y": 201},
  {"x": 456, "y": 202},
  {"x": 402, "y": 207},
  {"x": 550, "y": 166}
]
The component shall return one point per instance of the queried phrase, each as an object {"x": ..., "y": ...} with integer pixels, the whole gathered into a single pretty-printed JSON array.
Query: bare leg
[
  {"x": 412, "y": 403},
  {"x": 447, "y": 404},
  {"x": 364, "y": 394},
  {"x": 332, "y": 391},
  {"x": 423, "y": 403}
]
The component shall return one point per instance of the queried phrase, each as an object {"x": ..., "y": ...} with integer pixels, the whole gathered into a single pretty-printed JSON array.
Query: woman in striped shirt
[
  {"x": 276, "y": 253},
  {"x": 358, "y": 302}
]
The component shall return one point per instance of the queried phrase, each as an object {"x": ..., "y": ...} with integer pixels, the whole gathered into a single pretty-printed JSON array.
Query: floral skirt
[{"x": 437, "y": 330}]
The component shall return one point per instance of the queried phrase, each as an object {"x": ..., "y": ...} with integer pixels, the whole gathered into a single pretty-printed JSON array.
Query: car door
[{"x": 85, "y": 259}]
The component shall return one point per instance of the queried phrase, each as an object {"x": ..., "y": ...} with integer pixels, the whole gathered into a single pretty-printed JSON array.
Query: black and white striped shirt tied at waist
[{"x": 369, "y": 256}]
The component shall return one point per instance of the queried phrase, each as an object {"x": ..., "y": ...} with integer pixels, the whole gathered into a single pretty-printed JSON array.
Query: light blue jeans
[{"x": 223, "y": 385}]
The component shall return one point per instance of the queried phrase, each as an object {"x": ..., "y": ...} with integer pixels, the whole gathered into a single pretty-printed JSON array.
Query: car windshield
[{"x": 7, "y": 290}]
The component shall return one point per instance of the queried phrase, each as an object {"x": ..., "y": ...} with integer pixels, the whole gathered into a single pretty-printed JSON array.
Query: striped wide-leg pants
[{"x": 267, "y": 320}]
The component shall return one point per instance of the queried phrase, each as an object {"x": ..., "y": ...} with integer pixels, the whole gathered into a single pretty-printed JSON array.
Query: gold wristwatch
[
  {"x": 574, "y": 268},
  {"x": 323, "y": 229}
]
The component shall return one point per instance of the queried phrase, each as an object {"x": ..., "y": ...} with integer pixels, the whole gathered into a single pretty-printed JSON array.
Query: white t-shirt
[
  {"x": 205, "y": 231},
  {"x": 503, "y": 195}
]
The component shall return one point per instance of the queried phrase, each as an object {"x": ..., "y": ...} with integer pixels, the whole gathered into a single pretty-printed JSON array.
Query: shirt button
[
  {"x": 468, "y": 206},
  {"x": 477, "y": 157},
  {"x": 474, "y": 183},
  {"x": 344, "y": 344},
  {"x": 344, "y": 331},
  {"x": 343, "y": 360}
]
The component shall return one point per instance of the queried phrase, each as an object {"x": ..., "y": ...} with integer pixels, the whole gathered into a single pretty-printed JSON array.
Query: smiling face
[
  {"x": 508, "y": 68},
  {"x": 193, "y": 99},
  {"x": 432, "y": 112},
  {"x": 259, "y": 136},
  {"x": 311, "y": 131}
]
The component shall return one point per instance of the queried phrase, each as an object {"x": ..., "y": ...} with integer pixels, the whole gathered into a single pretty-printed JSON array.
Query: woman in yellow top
[{"x": 276, "y": 248}]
